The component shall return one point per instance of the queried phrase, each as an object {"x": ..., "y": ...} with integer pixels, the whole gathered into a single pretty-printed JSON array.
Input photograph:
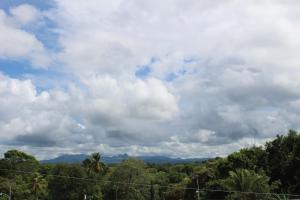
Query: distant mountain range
[{"x": 78, "y": 158}]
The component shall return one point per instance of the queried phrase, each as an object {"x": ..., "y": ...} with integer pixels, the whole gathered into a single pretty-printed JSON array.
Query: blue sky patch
[
  {"x": 40, "y": 4},
  {"x": 170, "y": 76},
  {"x": 43, "y": 79},
  {"x": 44, "y": 30},
  {"x": 145, "y": 70},
  {"x": 17, "y": 68},
  {"x": 45, "y": 33}
]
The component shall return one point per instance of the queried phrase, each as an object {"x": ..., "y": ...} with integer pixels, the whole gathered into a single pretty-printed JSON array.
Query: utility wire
[{"x": 149, "y": 185}]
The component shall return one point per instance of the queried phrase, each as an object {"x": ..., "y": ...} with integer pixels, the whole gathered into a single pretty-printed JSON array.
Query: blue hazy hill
[{"x": 78, "y": 158}]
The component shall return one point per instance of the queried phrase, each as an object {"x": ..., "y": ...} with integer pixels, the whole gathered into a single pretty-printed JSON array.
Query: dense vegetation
[{"x": 252, "y": 173}]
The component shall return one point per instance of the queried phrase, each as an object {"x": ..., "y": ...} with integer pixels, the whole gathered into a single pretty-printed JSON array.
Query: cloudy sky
[{"x": 183, "y": 78}]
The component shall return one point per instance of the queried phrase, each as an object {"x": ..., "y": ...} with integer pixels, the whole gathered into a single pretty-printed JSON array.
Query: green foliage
[
  {"x": 252, "y": 158},
  {"x": 39, "y": 186},
  {"x": 272, "y": 168},
  {"x": 19, "y": 160},
  {"x": 244, "y": 180},
  {"x": 175, "y": 193},
  {"x": 15, "y": 156},
  {"x": 93, "y": 164},
  {"x": 61, "y": 188},
  {"x": 129, "y": 181},
  {"x": 283, "y": 156}
]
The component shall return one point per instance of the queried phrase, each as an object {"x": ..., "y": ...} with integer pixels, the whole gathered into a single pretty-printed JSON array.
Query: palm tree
[
  {"x": 247, "y": 184},
  {"x": 93, "y": 163},
  {"x": 38, "y": 185}
]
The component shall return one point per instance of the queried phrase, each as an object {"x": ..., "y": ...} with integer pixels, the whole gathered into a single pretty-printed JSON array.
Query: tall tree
[
  {"x": 130, "y": 181},
  {"x": 244, "y": 180},
  {"x": 283, "y": 156},
  {"x": 20, "y": 160},
  {"x": 70, "y": 182},
  {"x": 93, "y": 163},
  {"x": 38, "y": 186}
]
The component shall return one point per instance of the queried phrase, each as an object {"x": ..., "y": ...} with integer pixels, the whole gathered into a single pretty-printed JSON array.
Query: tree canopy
[{"x": 267, "y": 172}]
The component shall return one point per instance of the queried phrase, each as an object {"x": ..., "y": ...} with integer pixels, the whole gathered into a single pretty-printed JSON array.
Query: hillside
[{"x": 78, "y": 158}]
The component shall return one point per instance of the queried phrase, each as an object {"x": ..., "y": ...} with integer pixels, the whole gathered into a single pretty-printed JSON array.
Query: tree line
[{"x": 271, "y": 171}]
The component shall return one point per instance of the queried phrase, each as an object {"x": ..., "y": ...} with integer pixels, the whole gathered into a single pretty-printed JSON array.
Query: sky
[{"x": 181, "y": 78}]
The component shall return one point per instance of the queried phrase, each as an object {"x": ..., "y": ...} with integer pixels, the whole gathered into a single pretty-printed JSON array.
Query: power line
[{"x": 149, "y": 185}]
